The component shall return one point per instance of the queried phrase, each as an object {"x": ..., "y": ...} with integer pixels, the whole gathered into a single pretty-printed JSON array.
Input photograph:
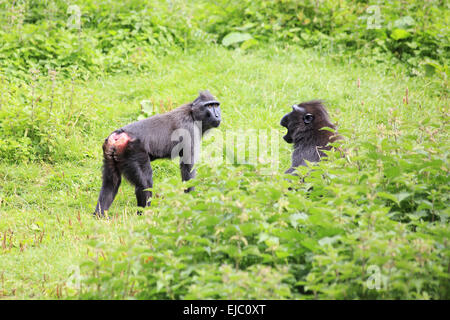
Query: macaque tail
[{"x": 115, "y": 145}]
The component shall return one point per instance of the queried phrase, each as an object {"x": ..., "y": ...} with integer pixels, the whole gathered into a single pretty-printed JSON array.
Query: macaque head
[
  {"x": 207, "y": 110},
  {"x": 305, "y": 119}
]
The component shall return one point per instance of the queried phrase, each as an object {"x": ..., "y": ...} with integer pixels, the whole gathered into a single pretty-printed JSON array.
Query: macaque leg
[
  {"x": 110, "y": 186},
  {"x": 187, "y": 173},
  {"x": 139, "y": 172},
  {"x": 113, "y": 147}
]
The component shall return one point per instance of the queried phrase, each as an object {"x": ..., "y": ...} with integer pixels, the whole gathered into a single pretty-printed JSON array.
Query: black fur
[
  {"x": 128, "y": 151},
  {"x": 304, "y": 123}
]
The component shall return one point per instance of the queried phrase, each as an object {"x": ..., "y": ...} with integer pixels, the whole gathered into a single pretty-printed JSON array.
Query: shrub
[
  {"x": 366, "y": 226},
  {"x": 115, "y": 36}
]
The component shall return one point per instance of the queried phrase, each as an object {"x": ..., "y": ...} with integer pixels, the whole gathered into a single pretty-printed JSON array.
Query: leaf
[
  {"x": 399, "y": 34},
  {"x": 282, "y": 254},
  {"x": 252, "y": 250},
  {"x": 388, "y": 196},
  {"x": 328, "y": 129},
  {"x": 424, "y": 204},
  {"x": 248, "y": 44},
  {"x": 402, "y": 196},
  {"x": 431, "y": 66},
  {"x": 397, "y": 198},
  {"x": 263, "y": 237},
  {"x": 310, "y": 244},
  {"x": 235, "y": 37},
  {"x": 272, "y": 241},
  {"x": 328, "y": 240},
  {"x": 297, "y": 216},
  {"x": 392, "y": 171}
]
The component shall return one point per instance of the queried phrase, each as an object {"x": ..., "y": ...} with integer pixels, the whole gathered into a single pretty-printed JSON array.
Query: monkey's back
[{"x": 153, "y": 134}]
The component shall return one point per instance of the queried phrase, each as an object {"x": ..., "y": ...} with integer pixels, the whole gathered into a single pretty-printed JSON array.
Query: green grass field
[{"x": 47, "y": 230}]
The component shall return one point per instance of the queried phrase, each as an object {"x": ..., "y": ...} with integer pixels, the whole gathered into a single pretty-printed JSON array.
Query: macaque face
[
  {"x": 296, "y": 121},
  {"x": 208, "y": 112}
]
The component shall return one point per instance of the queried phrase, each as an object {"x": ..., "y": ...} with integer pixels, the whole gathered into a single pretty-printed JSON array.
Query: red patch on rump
[{"x": 119, "y": 141}]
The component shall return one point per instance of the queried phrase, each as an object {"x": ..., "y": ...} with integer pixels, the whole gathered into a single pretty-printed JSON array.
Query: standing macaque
[
  {"x": 305, "y": 125},
  {"x": 130, "y": 149}
]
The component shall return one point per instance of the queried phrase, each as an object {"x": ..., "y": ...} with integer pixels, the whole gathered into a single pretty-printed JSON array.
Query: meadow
[{"x": 368, "y": 222}]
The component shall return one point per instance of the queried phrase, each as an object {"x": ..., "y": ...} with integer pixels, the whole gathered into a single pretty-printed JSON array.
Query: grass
[{"x": 45, "y": 208}]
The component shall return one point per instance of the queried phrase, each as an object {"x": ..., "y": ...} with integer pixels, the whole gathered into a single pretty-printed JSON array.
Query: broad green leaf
[
  {"x": 388, "y": 196},
  {"x": 399, "y": 34},
  {"x": 235, "y": 37}
]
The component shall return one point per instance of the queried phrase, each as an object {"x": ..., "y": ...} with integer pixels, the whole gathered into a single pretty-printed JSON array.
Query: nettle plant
[
  {"x": 44, "y": 118},
  {"x": 370, "y": 221},
  {"x": 122, "y": 36}
]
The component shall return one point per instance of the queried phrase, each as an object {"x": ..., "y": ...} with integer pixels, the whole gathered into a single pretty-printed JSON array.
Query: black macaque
[
  {"x": 304, "y": 124},
  {"x": 129, "y": 150}
]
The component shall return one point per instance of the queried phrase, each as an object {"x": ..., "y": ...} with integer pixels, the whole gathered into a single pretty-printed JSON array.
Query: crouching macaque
[
  {"x": 304, "y": 124},
  {"x": 129, "y": 150}
]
